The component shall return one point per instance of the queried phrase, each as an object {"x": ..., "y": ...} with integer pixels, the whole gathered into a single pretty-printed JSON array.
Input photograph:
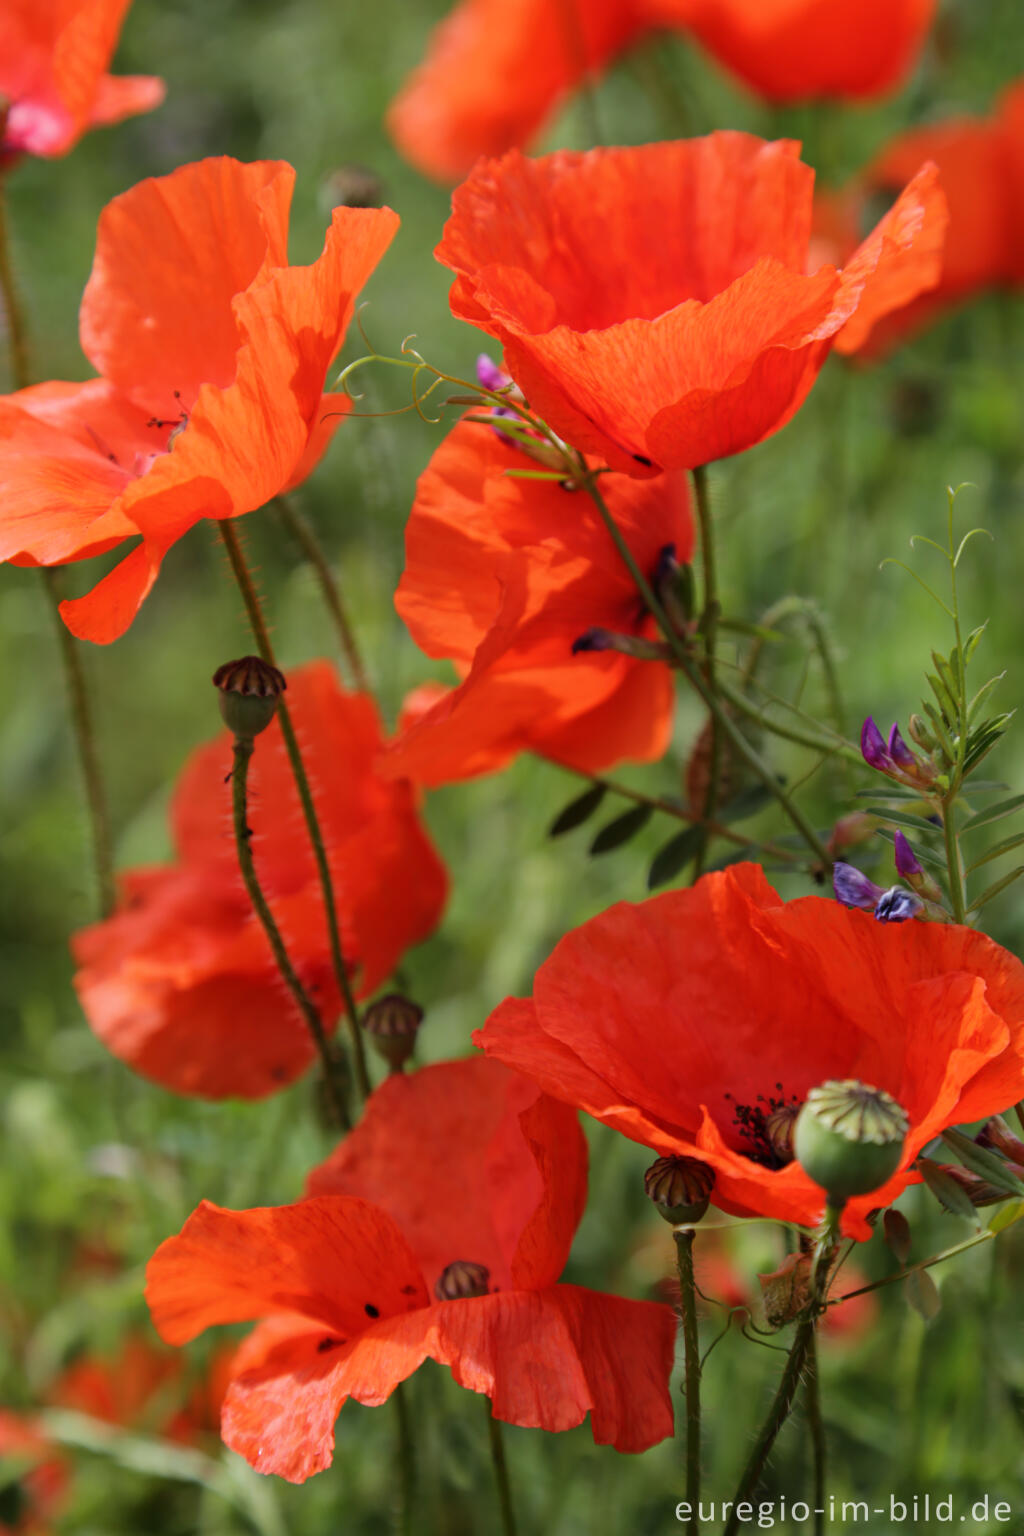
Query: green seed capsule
[{"x": 849, "y": 1138}]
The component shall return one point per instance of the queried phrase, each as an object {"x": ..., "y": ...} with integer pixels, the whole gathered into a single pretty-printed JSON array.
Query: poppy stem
[
  {"x": 501, "y": 1478},
  {"x": 777, "y": 1415},
  {"x": 302, "y": 531},
  {"x": 693, "y": 673},
  {"x": 708, "y": 627},
  {"x": 812, "y": 1404},
  {"x": 71, "y": 661},
  {"x": 17, "y": 331},
  {"x": 85, "y": 738},
  {"x": 262, "y": 637},
  {"x": 684, "y": 1238},
  {"x": 244, "y": 748},
  {"x": 406, "y": 1462}
]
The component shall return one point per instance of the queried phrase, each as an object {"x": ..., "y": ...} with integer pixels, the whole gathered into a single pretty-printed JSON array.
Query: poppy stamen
[{"x": 766, "y": 1127}]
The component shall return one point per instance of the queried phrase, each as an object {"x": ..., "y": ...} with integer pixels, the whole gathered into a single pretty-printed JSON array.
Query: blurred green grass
[{"x": 814, "y": 510}]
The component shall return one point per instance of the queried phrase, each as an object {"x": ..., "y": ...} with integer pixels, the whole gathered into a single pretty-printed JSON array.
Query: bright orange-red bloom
[
  {"x": 679, "y": 1020},
  {"x": 461, "y": 1182},
  {"x": 40, "y": 1490},
  {"x": 213, "y": 354},
  {"x": 53, "y": 80},
  {"x": 654, "y": 303},
  {"x": 143, "y": 1387},
  {"x": 502, "y": 576},
  {"x": 981, "y": 171},
  {"x": 181, "y": 984},
  {"x": 497, "y": 70}
]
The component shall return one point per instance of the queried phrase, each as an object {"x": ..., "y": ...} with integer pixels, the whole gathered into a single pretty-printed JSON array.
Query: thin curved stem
[
  {"x": 244, "y": 748},
  {"x": 302, "y": 531},
  {"x": 692, "y": 672},
  {"x": 71, "y": 661},
  {"x": 684, "y": 1238},
  {"x": 88, "y": 756},
  {"x": 501, "y": 1477},
  {"x": 266, "y": 650},
  {"x": 709, "y": 629},
  {"x": 406, "y": 1459}
]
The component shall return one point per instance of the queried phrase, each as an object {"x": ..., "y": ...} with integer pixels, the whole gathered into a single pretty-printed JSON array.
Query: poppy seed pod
[
  {"x": 849, "y": 1138},
  {"x": 392, "y": 1023},
  {"x": 461, "y": 1280},
  {"x": 249, "y": 691},
  {"x": 680, "y": 1188}
]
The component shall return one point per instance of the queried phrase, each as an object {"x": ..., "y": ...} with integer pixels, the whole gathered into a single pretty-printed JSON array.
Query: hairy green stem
[
  {"x": 266, "y": 650},
  {"x": 684, "y": 1238},
  {"x": 501, "y": 1477},
  {"x": 244, "y": 748},
  {"x": 302, "y": 531},
  {"x": 777, "y": 1415},
  {"x": 406, "y": 1459},
  {"x": 17, "y": 331},
  {"x": 709, "y": 629},
  {"x": 688, "y": 666},
  {"x": 812, "y": 1405}
]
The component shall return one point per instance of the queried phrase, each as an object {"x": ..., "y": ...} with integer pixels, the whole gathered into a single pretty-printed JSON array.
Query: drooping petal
[{"x": 335, "y": 1260}]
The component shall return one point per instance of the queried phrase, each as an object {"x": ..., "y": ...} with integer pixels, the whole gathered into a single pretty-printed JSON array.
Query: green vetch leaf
[
  {"x": 903, "y": 818},
  {"x": 996, "y": 851},
  {"x": 619, "y": 831},
  {"x": 674, "y": 857},
  {"x": 992, "y": 812},
  {"x": 577, "y": 811},
  {"x": 950, "y": 1195},
  {"x": 996, "y": 889},
  {"x": 747, "y": 803}
]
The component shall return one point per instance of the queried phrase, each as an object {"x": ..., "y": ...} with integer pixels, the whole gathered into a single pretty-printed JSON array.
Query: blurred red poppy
[
  {"x": 213, "y": 354},
  {"x": 981, "y": 170},
  {"x": 181, "y": 984},
  {"x": 654, "y": 303},
  {"x": 53, "y": 80},
  {"x": 497, "y": 71},
  {"x": 502, "y": 576},
  {"x": 143, "y": 1387},
  {"x": 685, "y": 1020},
  {"x": 437, "y": 1229},
  {"x": 35, "y": 1498}
]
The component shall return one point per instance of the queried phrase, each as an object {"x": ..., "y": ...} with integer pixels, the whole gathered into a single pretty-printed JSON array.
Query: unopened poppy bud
[
  {"x": 680, "y": 1187},
  {"x": 249, "y": 692},
  {"x": 392, "y": 1023},
  {"x": 996, "y": 1136},
  {"x": 461, "y": 1280},
  {"x": 978, "y": 1190},
  {"x": 673, "y": 584},
  {"x": 849, "y": 1138}
]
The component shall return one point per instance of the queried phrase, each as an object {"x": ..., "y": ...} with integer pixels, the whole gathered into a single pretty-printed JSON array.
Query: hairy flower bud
[
  {"x": 461, "y": 1280},
  {"x": 392, "y": 1023},
  {"x": 978, "y": 1190},
  {"x": 249, "y": 692},
  {"x": 680, "y": 1188},
  {"x": 849, "y": 1138},
  {"x": 996, "y": 1136}
]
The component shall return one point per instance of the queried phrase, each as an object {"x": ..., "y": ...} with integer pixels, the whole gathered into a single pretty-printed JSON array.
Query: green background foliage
[{"x": 93, "y": 1151}]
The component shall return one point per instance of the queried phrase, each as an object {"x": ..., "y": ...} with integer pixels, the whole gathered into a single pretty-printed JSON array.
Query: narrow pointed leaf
[
  {"x": 619, "y": 831},
  {"x": 992, "y": 812},
  {"x": 923, "y": 1295},
  {"x": 997, "y": 851},
  {"x": 577, "y": 811},
  {"x": 675, "y": 856},
  {"x": 996, "y": 889},
  {"x": 987, "y": 1165}
]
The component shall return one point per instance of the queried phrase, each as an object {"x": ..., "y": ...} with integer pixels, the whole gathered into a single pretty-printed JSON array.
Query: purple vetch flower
[
  {"x": 907, "y": 862},
  {"x": 854, "y": 889},
  {"x": 489, "y": 375},
  {"x": 893, "y": 757}
]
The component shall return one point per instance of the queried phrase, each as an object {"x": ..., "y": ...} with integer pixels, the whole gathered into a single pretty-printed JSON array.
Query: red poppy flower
[
  {"x": 684, "y": 1020},
  {"x": 497, "y": 71},
  {"x": 654, "y": 303},
  {"x": 40, "y": 1491},
  {"x": 213, "y": 354},
  {"x": 53, "y": 60},
  {"x": 795, "y": 50},
  {"x": 981, "y": 170},
  {"x": 143, "y": 1387},
  {"x": 461, "y": 1182},
  {"x": 502, "y": 576},
  {"x": 181, "y": 984}
]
